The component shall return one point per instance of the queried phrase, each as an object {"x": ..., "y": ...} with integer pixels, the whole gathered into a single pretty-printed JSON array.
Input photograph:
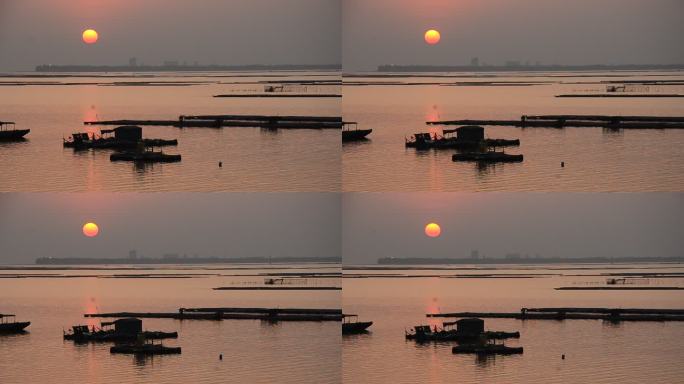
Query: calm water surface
[
  {"x": 253, "y": 159},
  {"x": 595, "y": 160},
  {"x": 596, "y": 351},
  {"x": 253, "y": 351}
]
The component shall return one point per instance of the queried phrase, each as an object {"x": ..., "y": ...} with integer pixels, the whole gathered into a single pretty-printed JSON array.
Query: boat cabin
[
  {"x": 7, "y": 319},
  {"x": 350, "y": 126},
  {"x": 470, "y": 326},
  {"x": 7, "y": 126},
  {"x": 470, "y": 133}
]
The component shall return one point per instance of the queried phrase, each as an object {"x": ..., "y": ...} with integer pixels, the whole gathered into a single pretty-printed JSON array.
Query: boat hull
[
  {"x": 354, "y": 135},
  {"x": 13, "y": 135},
  {"x": 154, "y": 157},
  {"x": 358, "y": 327},
  {"x": 17, "y": 327}
]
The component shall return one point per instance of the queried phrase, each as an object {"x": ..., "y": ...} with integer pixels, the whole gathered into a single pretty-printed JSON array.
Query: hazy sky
[
  {"x": 551, "y": 31},
  {"x": 549, "y": 224},
  {"x": 36, "y": 225},
  {"x": 34, "y": 32}
]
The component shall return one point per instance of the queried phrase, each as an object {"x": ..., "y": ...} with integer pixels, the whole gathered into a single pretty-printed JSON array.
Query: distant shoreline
[
  {"x": 527, "y": 260},
  {"x": 185, "y": 260},
  {"x": 528, "y": 68},
  {"x": 186, "y": 68}
]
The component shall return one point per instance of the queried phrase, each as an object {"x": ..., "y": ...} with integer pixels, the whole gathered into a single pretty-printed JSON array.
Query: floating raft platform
[
  {"x": 578, "y": 121},
  {"x": 487, "y": 157},
  {"x": 145, "y": 157},
  {"x": 487, "y": 349},
  {"x": 220, "y": 121},
  {"x": 300, "y": 95},
  {"x": 145, "y": 349},
  {"x": 610, "y": 314},
  {"x": 278, "y": 288},
  {"x": 269, "y": 314}
]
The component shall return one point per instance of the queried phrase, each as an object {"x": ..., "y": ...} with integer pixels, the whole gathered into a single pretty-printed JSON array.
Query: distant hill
[
  {"x": 185, "y": 68},
  {"x": 526, "y": 260},
  {"x": 528, "y": 68},
  {"x": 185, "y": 260}
]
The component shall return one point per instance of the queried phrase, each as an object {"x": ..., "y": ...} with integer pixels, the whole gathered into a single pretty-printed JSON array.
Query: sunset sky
[
  {"x": 379, "y": 32},
  {"x": 221, "y": 225},
  {"x": 379, "y": 225},
  {"x": 34, "y": 32}
]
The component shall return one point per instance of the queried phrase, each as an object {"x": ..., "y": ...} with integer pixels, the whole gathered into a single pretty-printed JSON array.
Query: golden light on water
[
  {"x": 90, "y": 229},
  {"x": 433, "y": 230},
  {"x": 432, "y": 36},
  {"x": 90, "y": 36}
]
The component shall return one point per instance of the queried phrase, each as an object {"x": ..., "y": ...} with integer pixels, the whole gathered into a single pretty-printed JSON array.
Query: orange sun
[
  {"x": 90, "y": 229},
  {"x": 90, "y": 36},
  {"x": 432, "y": 36},
  {"x": 433, "y": 230}
]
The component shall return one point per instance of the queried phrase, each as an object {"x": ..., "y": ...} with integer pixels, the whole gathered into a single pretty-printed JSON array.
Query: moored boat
[
  {"x": 8, "y": 132},
  {"x": 466, "y": 137},
  {"x": 351, "y": 132},
  {"x": 128, "y": 329},
  {"x": 351, "y": 325},
  {"x": 8, "y": 324},
  {"x": 140, "y": 347},
  {"x": 123, "y": 137}
]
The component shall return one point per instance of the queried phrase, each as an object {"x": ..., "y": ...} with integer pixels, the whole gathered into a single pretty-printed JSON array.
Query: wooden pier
[
  {"x": 609, "y": 314},
  {"x": 249, "y": 121},
  {"x": 268, "y": 314},
  {"x": 578, "y": 121}
]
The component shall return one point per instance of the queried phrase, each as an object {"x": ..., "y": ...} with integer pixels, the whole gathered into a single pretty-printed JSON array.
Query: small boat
[
  {"x": 351, "y": 132},
  {"x": 352, "y": 325},
  {"x": 487, "y": 349},
  {"x": 119, "y": 330},
  {"x": 488, "y": 157},
  {"x": 144, "y": 156},
  {"x": 467, "y": 330},
  {"x": 9, "y": 324},
  {"x": 467, "y": 137},
  {"x": 118, "y": 138},
  {"x": 8, "y": 132}
]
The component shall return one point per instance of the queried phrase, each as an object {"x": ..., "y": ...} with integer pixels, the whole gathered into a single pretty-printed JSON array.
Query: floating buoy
[
  {"x": 220, "y": 164},
  {"x": 562, "y": 164},
  {"x": 221, "y": 356},
  {"x": 563, "y": 356}
]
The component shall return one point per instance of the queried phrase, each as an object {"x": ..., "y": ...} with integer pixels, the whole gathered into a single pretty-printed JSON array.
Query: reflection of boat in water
[
  {"x": 118, "y": 330},
  {"x": 9, "y": 324},
  {"x": 118, "y": 138},
  {"x": 351, "y": 325},
  {"x": 469, "y": 329},
  {"x": 467, "y": 137},
  {"x": 351, "y": 131},
  {"x": 487, "y": 349},
  {"x": 8, "y": 132},
  {"x": 489, "y": 157}
]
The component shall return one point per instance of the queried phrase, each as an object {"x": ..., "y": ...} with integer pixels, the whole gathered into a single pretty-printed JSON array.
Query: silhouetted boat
[
  {"x": 9, "y": 133},
  {"x": 351, "y": 325},
  {"x": 351, "y": 132},
  {"x": 123, "y": 137},
  {"x": 8, "y": 324},
  {"x": 467, "y": 137},
  {"x": 468, "y": 329},
  {"x": 489, "y": 157},
  {"x": 119, "y": 330}
]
